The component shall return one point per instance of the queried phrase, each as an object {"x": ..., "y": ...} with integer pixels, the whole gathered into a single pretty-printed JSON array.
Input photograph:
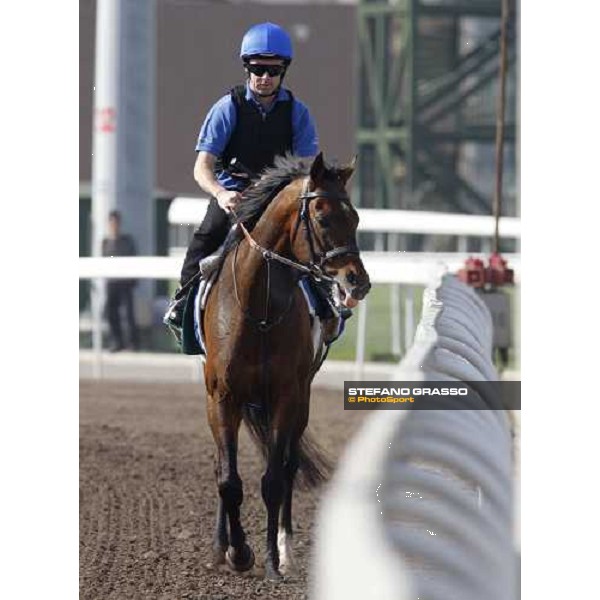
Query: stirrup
[
  {"x": 174, "y": 314},
  {"x": 173, "y": 317},
  {"x": 177, "y": 333},
  {"x": 209, "y": 264}
]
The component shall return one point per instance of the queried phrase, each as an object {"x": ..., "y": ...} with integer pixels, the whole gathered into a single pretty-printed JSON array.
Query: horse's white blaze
[
  {"x": 286, "y": 557},
  {"x": 340, "y": 277}
]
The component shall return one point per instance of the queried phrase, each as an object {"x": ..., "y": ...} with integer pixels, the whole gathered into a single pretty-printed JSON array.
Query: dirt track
[{"x": 148, "y": 495}]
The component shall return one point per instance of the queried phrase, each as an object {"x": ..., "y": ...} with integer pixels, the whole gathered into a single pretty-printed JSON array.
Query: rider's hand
[{"x": 228, "y": 199}]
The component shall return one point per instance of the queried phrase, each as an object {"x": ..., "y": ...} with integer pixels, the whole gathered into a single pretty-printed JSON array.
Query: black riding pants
[{"x": 207, "y": 238}]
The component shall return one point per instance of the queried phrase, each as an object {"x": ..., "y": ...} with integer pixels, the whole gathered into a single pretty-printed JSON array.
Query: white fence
[
  {"x": 410, "y": 268},
  {"x": 400, "y": 268},
  {"x": 422, "y": 504},
  {"x": 188, "y": 211},
  {"x": 185, "y": 210},
  {"x": 395, "y": 268}
]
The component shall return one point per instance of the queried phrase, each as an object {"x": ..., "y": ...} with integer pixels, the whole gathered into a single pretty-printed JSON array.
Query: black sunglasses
[{"x": 260, "y": 70}]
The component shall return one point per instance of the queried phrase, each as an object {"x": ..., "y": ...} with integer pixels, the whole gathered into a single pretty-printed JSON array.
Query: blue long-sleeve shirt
[{"x": 221, "y": 121}]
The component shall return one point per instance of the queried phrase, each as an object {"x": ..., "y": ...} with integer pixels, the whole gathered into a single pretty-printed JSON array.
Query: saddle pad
[
  {"x": 189, "y": 343},
  {"x": 192, "y": 340},
  {"x": 319, "y": 312},
  {"x": 199, "y": 306},
  {"x": 315, "y": 322},
  {"x": 196, "y": 304}
]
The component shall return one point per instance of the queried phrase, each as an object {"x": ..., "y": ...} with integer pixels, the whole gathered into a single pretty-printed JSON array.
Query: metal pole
[
  {"x": 106, "y": 100},
  {"x": 361, "y": 338},
  {"x": 395, "y": 318},
  {"x": 394, "y": 301},
  {"x": 104, "y": 153},
  {"x": 123, "y": 126},
  {"x": 409, "y": 316},
  {"x": 98, "y": 287},
  {"x": 411, "y": 24},
  {"x": 500, "y": 125}
]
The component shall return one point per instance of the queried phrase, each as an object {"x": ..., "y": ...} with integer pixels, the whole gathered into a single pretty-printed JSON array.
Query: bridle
[
  {"x": 320, "y": 259},
  {"x": 317, "y": 259},
  {"x": 313, "y": 269}
]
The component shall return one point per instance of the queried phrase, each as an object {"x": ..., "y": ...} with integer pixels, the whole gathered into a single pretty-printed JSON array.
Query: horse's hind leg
[
  {"x": 284, "y": 537},
  {"x": 225, "y": 422}
]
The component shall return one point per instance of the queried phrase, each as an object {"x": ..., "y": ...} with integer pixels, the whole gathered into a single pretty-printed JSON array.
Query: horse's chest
[{"x": 256, "y": 357}]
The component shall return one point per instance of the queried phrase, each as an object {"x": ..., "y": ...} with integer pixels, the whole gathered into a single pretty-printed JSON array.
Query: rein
[
  {"x": 262, "y": 324},
  {"x": 315, "y": 267}
]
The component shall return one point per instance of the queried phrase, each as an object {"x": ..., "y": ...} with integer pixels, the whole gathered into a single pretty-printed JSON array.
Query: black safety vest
[{"x": 257, "y": 139}]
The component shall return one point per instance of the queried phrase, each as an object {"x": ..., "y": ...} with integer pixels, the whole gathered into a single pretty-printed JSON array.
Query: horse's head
[{"x": 330, "y": 223}]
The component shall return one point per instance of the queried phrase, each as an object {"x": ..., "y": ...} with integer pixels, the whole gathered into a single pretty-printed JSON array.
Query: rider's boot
[{"x": 174, "y": 315}]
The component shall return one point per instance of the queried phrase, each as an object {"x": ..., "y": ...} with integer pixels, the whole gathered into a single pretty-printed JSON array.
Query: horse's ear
[
  {"x": 317, "y": 170},
  {"x": 346, "y": 172}
]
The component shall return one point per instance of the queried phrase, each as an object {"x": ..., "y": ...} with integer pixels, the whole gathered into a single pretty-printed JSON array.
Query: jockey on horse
[{"x": 249, "y": 126}]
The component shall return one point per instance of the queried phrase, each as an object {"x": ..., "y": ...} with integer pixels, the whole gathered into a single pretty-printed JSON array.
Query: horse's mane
[
  {"x": 265, "y": 188},
  {"x": 259, "y": 194},
  {"x": 273, "y": 179}
]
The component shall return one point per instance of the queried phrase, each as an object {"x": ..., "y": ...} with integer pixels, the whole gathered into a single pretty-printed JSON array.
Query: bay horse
[{"x": 260, "y": 359}]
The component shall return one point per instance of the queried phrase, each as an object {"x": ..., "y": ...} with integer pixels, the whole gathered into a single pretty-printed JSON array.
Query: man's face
[
  {"x": 113, "y": 227},
  {"x": 263, "y": 83}
]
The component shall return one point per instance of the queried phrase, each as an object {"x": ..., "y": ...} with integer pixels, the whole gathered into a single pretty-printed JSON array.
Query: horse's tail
[{"x": 314, "y": 466}]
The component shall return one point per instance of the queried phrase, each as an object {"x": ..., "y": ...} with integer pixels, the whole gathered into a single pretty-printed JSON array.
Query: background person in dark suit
[{"x": 119, "y": 292}]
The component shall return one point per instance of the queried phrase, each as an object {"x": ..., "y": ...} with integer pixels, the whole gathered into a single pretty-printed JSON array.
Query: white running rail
[
  {"x": 421, "y": 506},
  {"x": 410, "y": 268},
  {"x": 405, "y": 268},
  {"x": 187, "y": 210}
]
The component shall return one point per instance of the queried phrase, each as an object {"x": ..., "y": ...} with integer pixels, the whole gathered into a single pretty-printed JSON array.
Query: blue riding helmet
[{"x": 268, "y": 40}]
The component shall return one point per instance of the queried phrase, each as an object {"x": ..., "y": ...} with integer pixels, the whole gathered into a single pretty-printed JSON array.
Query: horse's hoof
[
  {"x": 288, "y": 570},
  {"x": 272, "y": 574},
  {"x": 240, "y": 561},
  {"x": 218, "y": 557}
]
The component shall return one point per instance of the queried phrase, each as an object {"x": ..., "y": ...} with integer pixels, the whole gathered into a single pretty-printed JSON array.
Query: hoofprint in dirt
[{"x": 148, "y": 495}]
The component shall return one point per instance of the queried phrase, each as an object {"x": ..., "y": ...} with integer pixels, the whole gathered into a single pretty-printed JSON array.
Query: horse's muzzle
[
  {"x": 355, "y": 280},
  {"x": 360, "y": 291}
]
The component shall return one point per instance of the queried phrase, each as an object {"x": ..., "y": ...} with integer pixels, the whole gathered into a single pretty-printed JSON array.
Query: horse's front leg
[
  {"x": 221, "y": 537},
  {"x": 287, "y": 564},
  {"x": 224, "y": 421},
  {"x": 272, "y": 487}
]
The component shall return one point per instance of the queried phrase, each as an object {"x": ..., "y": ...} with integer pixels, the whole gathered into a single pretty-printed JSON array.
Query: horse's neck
[
  {"x": 272, "y": 232},
  {"x": 273, "y": 228}
]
